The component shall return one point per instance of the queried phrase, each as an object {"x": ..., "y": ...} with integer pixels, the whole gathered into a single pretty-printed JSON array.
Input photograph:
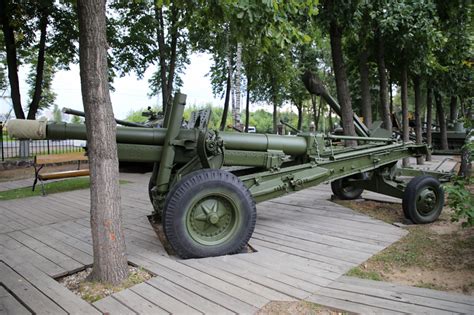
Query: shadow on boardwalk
[{"x": 304, "y": 244}]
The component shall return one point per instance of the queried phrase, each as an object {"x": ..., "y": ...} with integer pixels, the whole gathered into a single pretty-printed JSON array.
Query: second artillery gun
[{"x": 209, "y": 210}]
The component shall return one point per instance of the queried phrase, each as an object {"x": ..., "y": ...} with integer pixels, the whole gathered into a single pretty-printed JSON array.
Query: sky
[{"x": 130, "y": 93}]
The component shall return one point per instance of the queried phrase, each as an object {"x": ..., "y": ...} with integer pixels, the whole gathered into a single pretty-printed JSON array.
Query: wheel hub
[
  {"x": 211, "y": 220},
  {"x": 426, "y": 201}
]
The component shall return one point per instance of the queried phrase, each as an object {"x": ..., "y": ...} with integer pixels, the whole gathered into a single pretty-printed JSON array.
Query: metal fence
[{"x": 23, "y": 149}]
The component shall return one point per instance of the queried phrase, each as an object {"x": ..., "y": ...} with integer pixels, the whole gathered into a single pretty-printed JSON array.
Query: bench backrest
[{"x": 58, "y": 158}]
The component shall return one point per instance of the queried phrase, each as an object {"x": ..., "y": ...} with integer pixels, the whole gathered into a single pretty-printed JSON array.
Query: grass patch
[
  {"x": 358, "y": 272},
  {"x": 50, "y": 188}
]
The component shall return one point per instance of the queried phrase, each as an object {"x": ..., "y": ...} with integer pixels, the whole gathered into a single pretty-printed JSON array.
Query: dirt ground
[
  {"x": 438, "y": 256},
  {"x": 301, "y": 307}
]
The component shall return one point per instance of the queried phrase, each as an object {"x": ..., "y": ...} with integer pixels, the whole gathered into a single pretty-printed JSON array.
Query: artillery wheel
[
  {"x": 209, "y": 213},
  {"x": 423, "y": 199},
  {"x": 343, "y": 190}
]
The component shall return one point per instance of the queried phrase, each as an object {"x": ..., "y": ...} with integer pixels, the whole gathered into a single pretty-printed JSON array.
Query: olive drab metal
[{"x": 208, "y": 209}]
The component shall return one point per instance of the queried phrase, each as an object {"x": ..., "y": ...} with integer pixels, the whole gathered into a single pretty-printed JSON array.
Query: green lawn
[{"x": 50, "y": 188}]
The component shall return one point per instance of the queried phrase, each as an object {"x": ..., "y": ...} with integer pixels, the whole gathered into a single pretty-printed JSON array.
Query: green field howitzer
[{"x": 208, "y": 210}]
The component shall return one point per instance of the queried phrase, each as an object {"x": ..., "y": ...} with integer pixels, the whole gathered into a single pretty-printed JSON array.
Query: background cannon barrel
[{"x": 118, "y": 121}]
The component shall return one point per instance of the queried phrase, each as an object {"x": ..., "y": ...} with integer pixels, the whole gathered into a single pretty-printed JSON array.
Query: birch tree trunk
[
  {"x": 237, "y": 84},
  {"x": 110, "y": 260}
]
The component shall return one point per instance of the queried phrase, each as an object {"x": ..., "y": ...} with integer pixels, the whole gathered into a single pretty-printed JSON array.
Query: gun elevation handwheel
[
  {"x": 423, "y": 199},
  {"x": 209, "y": 213}
]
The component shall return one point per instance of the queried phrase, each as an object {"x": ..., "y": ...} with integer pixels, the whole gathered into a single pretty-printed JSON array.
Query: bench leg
[
  {"x": 42, "y": 188},
  {"x": 37, "y": 170}
]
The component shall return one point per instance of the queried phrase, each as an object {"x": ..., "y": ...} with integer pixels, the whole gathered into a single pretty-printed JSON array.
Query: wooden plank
[
  {"x": 294, "y": 269},
  {"x": 403, "y": 298},
  {"x": 329, "y": 253},
  {"x": 259, "y": 278},
  {"x": 289, "y": 230},
  {"x": 67, "y": 239},
  {"x": 64, "y": 174},
  {"x": 109, "y": 305},
  {"x": 164, "y": 301},
  {"x": 58, "y": 158},
  {"x": 27, "y": 293},
  {"x": 20, "y": 254},
  {"x": 379, "y": 302},
  {"x": 202, "y": 289},
  {"x": 66, "y": 299},
  {"x": 65, "y": 262},
  {"x": 10, "y": 305},
  {"x": 137, "y": 303},
  {"x": 186, "y": 296},
  {"x": 230, "y": 289},
  {"x": 301, "y": 253},
  {"x": 243, "y": 283},
  {"x": 58, "y": 244},
  {"x": 446, "y": 296},
  {"x": 346, "y": 305}
]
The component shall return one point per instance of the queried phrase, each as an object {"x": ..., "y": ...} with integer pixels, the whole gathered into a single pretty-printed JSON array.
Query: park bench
[{"x": 49, "y": 159}]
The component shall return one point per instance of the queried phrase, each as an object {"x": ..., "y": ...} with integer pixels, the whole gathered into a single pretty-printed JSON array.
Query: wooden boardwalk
[{"x": 304, "y": 245}]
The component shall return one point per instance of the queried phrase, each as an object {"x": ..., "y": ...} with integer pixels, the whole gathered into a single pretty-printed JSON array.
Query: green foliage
[
  {"x": 461, "y": 200},
  {"x": 57, "y": 115},
  {"x": 136, "y": 116},
  {"x": 358, "y": 272},
  {"x": 77, "y": 119}
]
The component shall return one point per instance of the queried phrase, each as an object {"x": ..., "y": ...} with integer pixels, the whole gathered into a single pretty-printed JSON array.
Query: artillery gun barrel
[
  {"x": 118, "y": 121},
  {"x": 30, "y": 129}
]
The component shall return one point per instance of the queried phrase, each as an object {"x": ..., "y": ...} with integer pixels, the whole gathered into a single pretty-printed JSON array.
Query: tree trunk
[
  {"x": 331, "y": 124},
  {"x": 418, "y": 131},
  {"x": 34, "y": 105},
  {"x": 429, "y": 117},
  {"x": 441, "y": 121},
  {"x": 247, "y": 106},
  {"x": 300, "y": 116},
  {"x": 383, "y": 82},
  {"x": 238, "y": 71},
  {"x": 226, "y": 104},
  {"x": 404, "y": 96},
  {"x": 173, "y": 47},
  {"x": 110, "y": 260},
  {"x": 12, "y": 63},
  {"x": 160, "y": 32},
  {"x": 365, "y": 88},
  {"x": 453, "y": 109},
  {"x": 275, "y": 116},
  {"x": 343, "y": 96}
]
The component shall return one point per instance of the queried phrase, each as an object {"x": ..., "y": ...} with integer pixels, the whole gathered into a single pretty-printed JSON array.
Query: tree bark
[
  {"x": 300, "y": 116},
  {"x": 404, "y": 96},
  {"x": 238, "y": 71},
  {"x": 34, "y": 105},
  {"x": 453, "y": 109},
  {"x": 418, "y": 131},
  {"x": 365, "y": 88},
  {"x": 160, "y": 32},
  {"x": 275, "y": 116},
  {"x": 247, "y": 106},
  {"x": 12, "y": 63},
  {"x": 441, "y": 121},
  {"x": 343, "y": 96},
  {"x": 173, "y": 46},
  {"x": 226, "y": 104},
  {"x": 110, "y": 260},
  {"x": 429, "y": 119},
  {"x": 383, "y": 82}
]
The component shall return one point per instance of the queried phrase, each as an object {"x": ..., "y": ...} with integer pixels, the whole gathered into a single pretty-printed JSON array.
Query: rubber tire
[
  {"x": 415, "y": 185},
  {"x": 339, "y": 191},
  {"x": 178, "y": 203}
]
